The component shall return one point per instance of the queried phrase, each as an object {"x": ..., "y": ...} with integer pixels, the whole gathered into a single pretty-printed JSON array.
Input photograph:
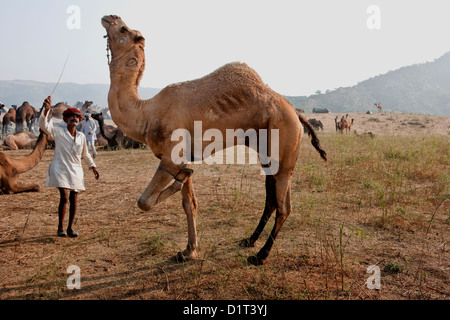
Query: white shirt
[
  {"x": 89, "y": 127},
  {"x": 66, "y": 170}
]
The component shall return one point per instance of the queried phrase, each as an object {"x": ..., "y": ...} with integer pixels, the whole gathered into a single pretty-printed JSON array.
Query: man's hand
[
  {"x": 97, "y": 175},
  {"x": 47, "y": 104}
]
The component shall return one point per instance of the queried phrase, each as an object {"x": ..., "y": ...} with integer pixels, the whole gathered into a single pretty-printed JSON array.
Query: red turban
[{"x": 72, "y": 112}]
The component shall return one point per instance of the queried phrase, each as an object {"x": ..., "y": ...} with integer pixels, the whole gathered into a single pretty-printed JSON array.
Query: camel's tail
[{"x": 314, "y": 140}]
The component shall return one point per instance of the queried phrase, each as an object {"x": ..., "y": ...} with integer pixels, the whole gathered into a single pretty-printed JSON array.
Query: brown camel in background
[
  {"x": 9, "y": 117},
  {"x": 26, "y": 113},
  {"x": 57, "y": 110},
  {"x": 19, "y": 140},
  {"x": 114, "y": 136},
  {"x": 232, "y": 97},
  {"x": 85, "y": 107},
  {"x": 11, "y": 168},
  {"x": 378, "y": 105},
  {"x": 347, "y": 125}
]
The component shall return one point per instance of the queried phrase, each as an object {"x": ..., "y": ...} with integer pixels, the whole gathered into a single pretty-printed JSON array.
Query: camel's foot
[
  {"x": 255, "y": 260},
  {"x": 186, "y": 256},
  {"x": 247, "y": 243}
]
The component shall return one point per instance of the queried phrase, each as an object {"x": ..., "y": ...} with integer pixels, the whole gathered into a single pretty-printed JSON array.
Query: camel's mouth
[
  {"x": 107, "y": 21},
  {"x": 118, "y": 33}
]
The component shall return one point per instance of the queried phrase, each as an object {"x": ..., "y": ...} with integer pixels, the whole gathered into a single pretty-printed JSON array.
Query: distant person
[
  {"x": 88, "y": 127},
  {"x": 66, "y": 171}
]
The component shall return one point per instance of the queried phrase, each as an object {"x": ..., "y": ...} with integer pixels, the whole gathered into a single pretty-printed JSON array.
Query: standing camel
[
  {"x": 347, "y": 125},
  {"x": 85, "y": 106},
  {"x": 11, "y": 168},
  {"x": 378, "y": 105},
  {"x": 232, "y": 97},
  {"x": 25, "y": 113},
  {"x": 9, "y": 117}
]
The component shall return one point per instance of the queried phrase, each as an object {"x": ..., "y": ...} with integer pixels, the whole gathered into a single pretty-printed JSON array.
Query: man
[
  {"x": 88, "y": 127},
  {"x": 66, "y": 171}
]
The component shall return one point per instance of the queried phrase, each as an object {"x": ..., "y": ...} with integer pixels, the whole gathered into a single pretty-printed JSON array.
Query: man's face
[{"x": 73, "y": 120}]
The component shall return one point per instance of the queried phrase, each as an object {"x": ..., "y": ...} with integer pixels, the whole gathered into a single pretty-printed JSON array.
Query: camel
[
  {"x": 26, "y": 113},
  {"x": 20, "y": 140},
  {"x": 347, "y": 126},
  {"x": 58, "y": 109},
  {"x": 232, "y": 97},
  {"x": 378, "y": 105},
  {"x": 343, "y": 124},
  {"x": 338, "y": 124},
  {"x": 317, "y": 124},
  {"x": 84, "y": 106},
  {"x": 114, "y": 136},
  {"x": 9, "y": 117},
  {"x": 11, "y": 168}
]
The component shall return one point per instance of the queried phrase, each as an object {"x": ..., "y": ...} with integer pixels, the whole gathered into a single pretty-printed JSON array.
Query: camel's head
[
  {"x": 125, "y": 44},
  {"x": 120, "y": 37}
]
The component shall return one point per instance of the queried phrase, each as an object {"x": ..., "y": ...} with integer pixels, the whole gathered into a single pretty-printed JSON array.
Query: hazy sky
[{"x": 296, "y": 46}]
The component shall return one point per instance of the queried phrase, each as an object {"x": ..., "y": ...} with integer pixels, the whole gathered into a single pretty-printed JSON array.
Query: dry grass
[{"x": 381, "y": 201}]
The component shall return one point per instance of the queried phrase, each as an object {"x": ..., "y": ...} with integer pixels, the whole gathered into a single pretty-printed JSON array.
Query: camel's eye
[
  {"x": 123, "y": 29},
  {"x": 122, "y": 40}
]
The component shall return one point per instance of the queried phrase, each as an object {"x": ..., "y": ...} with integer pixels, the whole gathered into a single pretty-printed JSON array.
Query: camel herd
[{"x": 343, "y": 124}]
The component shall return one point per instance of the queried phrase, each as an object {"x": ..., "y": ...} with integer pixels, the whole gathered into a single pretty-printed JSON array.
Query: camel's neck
[
  {"x": 128, "y": 111},
  {"x": 102, "y": 126},
  {"x": 28, "y": 163}
]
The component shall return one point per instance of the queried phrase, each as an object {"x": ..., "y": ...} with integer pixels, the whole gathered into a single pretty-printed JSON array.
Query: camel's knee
[{"x": 153, "y": 194}]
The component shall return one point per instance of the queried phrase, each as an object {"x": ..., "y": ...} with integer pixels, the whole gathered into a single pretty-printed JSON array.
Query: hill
[
  {"x": 15, "y": 92},
  {"x": 420, "y": 89}
]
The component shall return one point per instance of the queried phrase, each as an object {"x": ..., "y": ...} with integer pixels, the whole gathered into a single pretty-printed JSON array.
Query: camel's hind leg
[
  {"x": 270, "y": 206},
  {"x": 190, "y": 208},
  {"x": 283, "y": 199}
]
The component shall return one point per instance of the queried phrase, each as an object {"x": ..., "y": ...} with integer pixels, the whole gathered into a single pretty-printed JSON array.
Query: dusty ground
[{"x": 343, "y": 220}]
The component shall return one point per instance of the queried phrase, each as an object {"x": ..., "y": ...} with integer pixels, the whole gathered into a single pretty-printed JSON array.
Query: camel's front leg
[
  {"x": 190, "y": 208},
  {"x": 158, "y": 189}
]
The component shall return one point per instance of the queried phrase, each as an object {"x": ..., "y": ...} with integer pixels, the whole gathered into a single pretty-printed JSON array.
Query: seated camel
[
  {"x": 11, "y": 168},
  {"x": 115, "y": 138},
  {"x": 317, "y": 124},
  {"x": 20, "y": 140}
]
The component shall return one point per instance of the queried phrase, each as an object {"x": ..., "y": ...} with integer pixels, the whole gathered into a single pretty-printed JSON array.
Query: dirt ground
[{"x": 323, "y": 251}]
